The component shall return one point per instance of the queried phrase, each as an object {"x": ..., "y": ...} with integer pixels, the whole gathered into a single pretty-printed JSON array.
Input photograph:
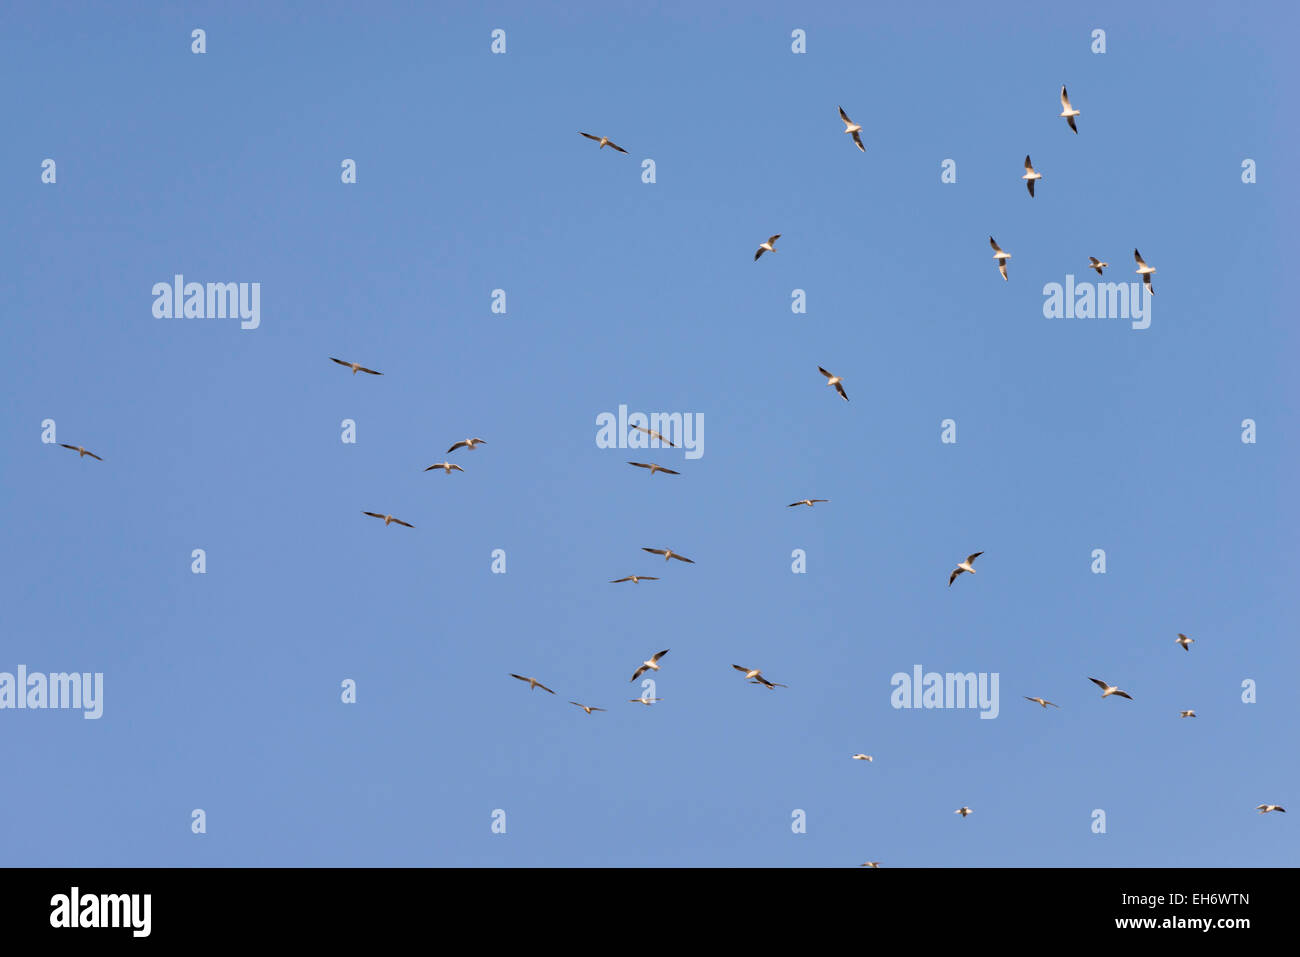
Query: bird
[
  {"x": 667, "y": 553},
  {"x": 807, "y": 501},
  {"x": 446, "y": 467},
  {"x": 1067, "y": 110},
  {"x": 870, "y": 864},
  {"x": 770, "y": 685},
  {"x": 654, "y": 435},
  {"x": 767, "y": 247},
  {"x": 1097, "y": 264},
  {"x": 853, "y": 129},
  {"x": 603, "y": 141},
  {"x": 757, "y": 674},
  {"x": 1184, "y": 641},
  {"x": 81, "y": 453},
  {"x": 651, "y": 665},
  {"x": 1108, "y": 690},
  {"x": 653, "y": 468},
  {"x": 635, "y": 579},
  {"x": 645, "y": 701},
  {"x": 1187, "y": 714},
  {"x": 835, "y": 381},
  {"x": 585, "y": 708},
  {"x": 1265, "y": 808},
  {"x": 355, "y": 367},
  {"x": 963, "y": 567},
  {"x": 388, "y": 519},
  {"x": 1042, "y": 701},
  {"x": 1144, "y": 271},
  {"x": 470, "y": 444},
  {"x": 1030, "y": 175},
  {"x": 863, "y": 757},
  {"x": 1000, "y": 256},
  {"x": 532, "y": 682},
  {"x": 964, "y": 811}
]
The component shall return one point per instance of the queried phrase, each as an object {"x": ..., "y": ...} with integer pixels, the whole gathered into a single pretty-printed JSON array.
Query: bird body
[
  {"x": 388, "y": 519},
  {"x": 853, "y": 129}
]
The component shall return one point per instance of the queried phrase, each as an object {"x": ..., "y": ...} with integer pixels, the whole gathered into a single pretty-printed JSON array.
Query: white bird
[
  {"x": 470, "y": 444},
  {"x": 1144, "y": 271},
  {"x": 863, "y": 757},
  {"x": 870, "y": 864},
  {"x": 964, "y": 811},
  {"x": 1108, "y": 690},
  {"x": 767, "y": 247},
  {"x": 645, "y": 701},
  {"x": 853, "y": 129},
  {"x": 355, "y": 367},
  {"x": 1265, "y": 808},
  {"x": 1097, "y": 264},
  {"x": 1030, "y": 175},
  {"x": 667, "y": 553},
  {"x": 446, "y": 467},
  {"x": 81, "y": 453},
  {"x": 807, "y": 501},
  {"x": 1042, "y": 701},
  {"x": 388, "y": 519},
  {"x": 654, "y": 435},
  {"x": 653, "y": 468},
  {"x": 603, "y": 141},
  {"x": 1067, "y": 110},
  {"x": 585, "y": 708},
  {"x": 836, "y": 381},
  {"x": 651, "y": 665},
  {"x": 1000, "y": 256},
  {"x": 1187, "y": 714},
  {"x": 757, "y": 675},
  {"x": 532, "y": 682},
  {"x": 635, "y": 579},
  {"x": 963, "y": 567},
  {"x": 1184, "y": 641}
]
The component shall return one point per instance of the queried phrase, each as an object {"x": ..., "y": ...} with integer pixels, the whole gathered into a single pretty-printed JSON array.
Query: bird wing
[
  {"x": 617, "y": 580},
  {"x": 94, "y": 456},
  {"x": 1065, "y": 100},
  {"x": 1002, "y": 268},
  {"x": 683, "y": 558},
  {"x": 654, "y": 551},
  {"x": 1099, "y": 683},
  {"x": 1138, "y": 257},
  {"x": 1070, "y": 120},
  {"x": 669, "y": 471},
  {"x": 371, "y": 371},
  {"x": 656, "y": 658},
  {"x": 760, "y": 252},
  {"x": 971, "y": 558},
  {"x": 1094, "y": 260},
  {"x": 520, "y": 677},
  {"x": 398, "y": 521},
  {"x": 1030, "y": 184},
  {"x": 640, "y": 465},
  {"x": 456, "y": 446},
  {"x": 839, "y": 387},
  {"x": 1028, "y": 166},
  {"x": 996, "y": 247},
  {"x": 1124, "y": 694},
  {"x": 457, "y": 468},
  {"x": 638, "y": 673},
  {"x": 589, "y": 136},
  {"x": 341, "y": 362},
  {"x": 617, "y": 147},
  {"x": 825, "y": 373},
  {"x": 844, "y": 116},
  {"x": 857, "y": 138},
  {"x": 953, "y": 577},
  {"x": 819, "y": 500},
  {"x": 374, "y": 514}
]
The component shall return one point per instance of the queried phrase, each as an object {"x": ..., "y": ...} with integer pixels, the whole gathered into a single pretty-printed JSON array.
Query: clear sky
[{"x": 222, "y": 691}]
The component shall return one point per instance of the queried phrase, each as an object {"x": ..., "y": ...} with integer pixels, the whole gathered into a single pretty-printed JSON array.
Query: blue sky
[{"x": 222, "y": 690}]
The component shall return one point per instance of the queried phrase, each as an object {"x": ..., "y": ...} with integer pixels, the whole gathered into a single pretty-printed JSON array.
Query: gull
[
  {"x": 585, "y": 708},
  {"x": 645, "y": 701},
  {"x": 1265, "y": 808},
  {"x": 81, "y": 453},
  {"x": 963, "y": 567},
  {"x": 1042, "y": 701},
  {"x": 651, "y": 665},
  {"x": 770, "y": 685},
  {"x": 470, "y": 444},
  {"x": 635, "y": 579},
  {"x": 1067, "y": 110},
  {"x": 1000, "y": 256},
  {"x": 603, "y": 141},
  {"x": 862, "y": 757},
  {"x": 653, "y": 468},
  {"x": 1187, "y": 714},
  {"x": 1144, "y": 271},
  {"x": 1184, "y": 641},
  {"x": 446, "y": 467},
  {"x": 355, "y": 367},
  {"x": 532, "y": 682},
  {"x": 807, "y": 501},
  {"x": 852, "y": 128},
  {"x": 963, "y": 811},
  {"x": 767, "y": 247},
  {"x": 1030, "y": 175},
  {"x": 388, "y": 519},
  {"x": 1097, "y": 264},
  {"x": 654, "y": 435},
  {"x": 1108, "y": 690},
  {"x": 757, "y": 674},
  {"x": 870, "y": 864},
  {"x": 667, "y": 553},
  {"x": 835, "y": 381}
]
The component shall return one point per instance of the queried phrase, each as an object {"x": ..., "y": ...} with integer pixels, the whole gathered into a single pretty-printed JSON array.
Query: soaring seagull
[
  {"x": 1031, "y": 175},
  {"x": 1265, "y": 808},
  {"x": 388, "y": 519},
  {"x": 667, "y": 553},
  {"x": 1108, "y": 690},
  {"x": 585, "y": 708},
  {"x": 757, "y": 675},
  {"x": 1042, "y": 701},
  {"x": 807, "y": 501},
  {"x": 355, "y": 367},
  {"x": 964, "y": 811},
  {"x": 862, "y": 757},
  {"x": 1097, "y": 264},
  {"x": 654, "y": 435},
  {"x": 767, "y": 247},
  {"x": 853, "y": 129},
  {"x": 635, "y": 579},
  {"x": 603, "y": 141},
  {"x": 653, "y": 468},
  {"x": 1067, "y": 110},
  {"x": 446, "y": 467},
  {"x": 532, "y": 682},
  {"x": 1144, "y": 271},
  {"x": 965, "y": 566},
  {"x": 836, "y": 381},
  {"x": 470, "y": 444},
  {"x": 651, "y": 665},
  {"x": 1000, "y": 256},
  {"x": 81, "y": 453},
  {"x": 1187, "y": 714},
  {"x": 1184, "y": 641}
]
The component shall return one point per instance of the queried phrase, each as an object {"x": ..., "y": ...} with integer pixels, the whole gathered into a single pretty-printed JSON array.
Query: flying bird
[
  {"x": 862, "y": 757},
  {"x": 807, "y": 501},
  {"x": 667, "y": 553},
  {"x": 81, "y": 453},
  {"x": 388, "y": 519},
  {"x": 1030, "y": 175},
  {"x": 1042, "y": 701},
  {"x": 1000, "y": 256},
  {"x": 603, "y": 141},
  {"x": 964, "y": 811},
  {"x": 446, "y": 467},
  {"x": 355, "y": 367},
  {"x": 1184, "y": 641},
  {"x": 654, "y": 435},
  {"x": 1187, "y": 714},
  {"x": 963, "y": 567},
  {"x": 835, "y": 381},
  {"x": 470, "y": 444},
  {"x": 653, "y": 468},
  {"x": 1144, "y": 271},
  {"x": 853, "y": 129},
  {"x": 870, "y": 864},
  {"x": 532, "y": 682},
  {"x": 646, "y": 701},
  {"x": 584, "y": 707},
  {"x": 767, "y": 247},
  {"x": 1097, "y": 264},
  {"x": 635, "y": 579},
  {"x": 651, "y": 665},
  {"x": 757, "y": 675},
  {"x": 1067, "y": 110},
  {"x": 1265, "y": 808},
  {"x": 1108, "y": 690}
]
